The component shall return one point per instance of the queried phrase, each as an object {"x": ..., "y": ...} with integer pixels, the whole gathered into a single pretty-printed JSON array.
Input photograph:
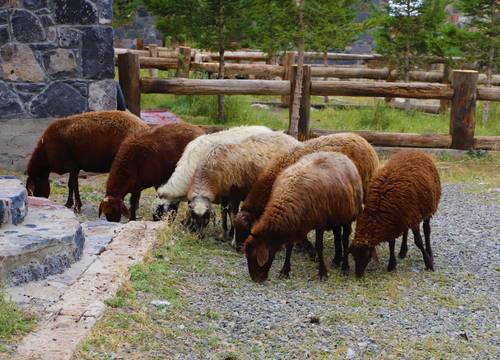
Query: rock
[
  {"x": 350, "y": 354},
  {"x": 26, "y": 27},
  {"x": 161, "y": 303},
  {"x": 69, "y": 37},
  {"x": 10, "y": 104},
  {"x": 4, "y": 35},
  {"x": 29, "y": 87},
  {"x": 260, "y": 106},
  {"x": 62, "y": 61},
  {"x": 32, "y": 4},
  {"x": 13, "y": 199},
  {"x": 105, "y": 10},
  {"x": 4, "y": 17},
  {"x": 102, "y": 95},
  {"x": 98, "y": 53},
  {"x": 47, "y": 20},
  {"x": 17, "y": 63},
  {"x": 75, "y": 12},
  {"x": 58, "y": 99}
]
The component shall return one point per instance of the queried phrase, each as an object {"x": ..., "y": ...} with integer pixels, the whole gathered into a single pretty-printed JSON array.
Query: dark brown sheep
[
  {"x": 318, "y": 192},
  {"x": 354, "y": 146},
  {"x": 86, "y": 142},
  {"x": 405, "y": 192},
  {"x": 144, "y": 160}
]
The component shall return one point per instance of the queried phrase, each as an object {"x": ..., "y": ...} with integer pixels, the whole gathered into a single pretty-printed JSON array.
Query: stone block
[
  {"x": 81, "y": 12},
  {"x": 47, "y": 20},
  {"x": 10, "y": 103},
  {"x": 33, "y": 4},
  {"x": 69, "y": 37},
  {"x": 13, "y": 199},
  {"x": 105, "y": 10},
  {"x": 98, "y": 53},
  {"x": 4, "y": 35},
  {"x": 58, "y": 99},
  {"x": 102, "y": 95},
  {"x": 26, "y": 26},
  {"x": 62, "y": 61},
  {"x": 17, "y": 63},
  {"x": 4, "y": 17}
]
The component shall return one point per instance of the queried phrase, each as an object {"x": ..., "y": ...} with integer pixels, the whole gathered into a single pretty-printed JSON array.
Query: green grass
[{"x": 13, "y": 323}]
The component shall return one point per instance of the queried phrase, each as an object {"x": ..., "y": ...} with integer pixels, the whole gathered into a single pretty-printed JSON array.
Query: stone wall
[{"x": 56, "y": 58}]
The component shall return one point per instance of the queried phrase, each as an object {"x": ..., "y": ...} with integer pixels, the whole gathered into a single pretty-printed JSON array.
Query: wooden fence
[{"x": 463, "y": 94}]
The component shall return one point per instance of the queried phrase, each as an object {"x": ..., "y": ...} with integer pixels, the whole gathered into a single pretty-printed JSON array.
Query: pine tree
[{"x": 481, "y": 40}]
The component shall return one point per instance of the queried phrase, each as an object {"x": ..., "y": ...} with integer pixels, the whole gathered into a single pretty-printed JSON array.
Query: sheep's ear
[
  {"x": 262, "y": 253},
  {"x": 374, "y": 255},
  {"x": 124, "y": 210}
]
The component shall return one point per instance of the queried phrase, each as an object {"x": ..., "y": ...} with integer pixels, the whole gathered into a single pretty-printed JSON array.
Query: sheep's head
[
  {"x": 260, "y": 256},
  {"x": 38, "y": 186},
  {"x": 162, "y": 206},
  {"x": 113, "y": 208},
  {"x": 362, "y": 256},
  {"x": 243, "y": 223},
  {"x": 200, "y": 212}
]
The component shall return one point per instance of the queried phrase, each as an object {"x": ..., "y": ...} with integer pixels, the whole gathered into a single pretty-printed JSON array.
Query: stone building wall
[{"x": 56, "y": 58}]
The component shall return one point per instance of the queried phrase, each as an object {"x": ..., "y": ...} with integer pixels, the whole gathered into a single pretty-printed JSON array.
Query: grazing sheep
[
  {"x": 402, "y": 194},
  {"x": 86, "y": 142},
  {"x": 177, "y": 186},
  {"x": 145, "y": 159},
  {"x": 318, "y": 192},
  {"x": 354, "y": 146},
  {"x": 229, "y": 170}
]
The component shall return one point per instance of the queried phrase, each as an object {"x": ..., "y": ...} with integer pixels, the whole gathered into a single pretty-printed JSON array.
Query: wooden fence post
[
  {"x": 184, "y": 62},
  {"x": 305, "y": 100},
  {"x": 139, "y": 44},
  {"x": 444, "y": 104},
  {"x": 287, "y": 61},
  {"x": 130, "y": 82},
  {"x": 153, "y": 52},
  {"x": 463, "y": 109}
]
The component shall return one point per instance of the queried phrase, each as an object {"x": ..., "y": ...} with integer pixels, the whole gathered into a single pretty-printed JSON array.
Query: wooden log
[
  {"x": 444, "y": 104},
  {"x": 397, "y": 139},
  {"x": 158, "y": 63},
  {"x": 287, "y": 60},
  {"x": 119, "y": 51},
  {"x": 305, "y": 105},
  {"x": 348, "y": 73},
  {"x": 488, "y": 93},
  {"x": 153, "y": 53},
  {"x": 341, "y": 56},
  {"x": 487, "y": 143},
  {"x": 184, "y": 62},
  {"x": 379, "y": 89},
  {"x": 139, "y": 44},
  {"x": 263, "y": 70},
  {"x": 241, "y": 55},
  {"x": 215, "y": 87},
  {"x": 463, "y": 109},
  {"x": 129, "y": 75}
]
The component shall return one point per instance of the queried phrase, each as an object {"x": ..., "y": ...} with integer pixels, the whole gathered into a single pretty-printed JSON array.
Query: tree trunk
[
  {"x": 220, "y": 98},
  {"x": 325, "y": 62},
  {"x": 293, "y": 128},
  {"x": 489, "y": 76}
]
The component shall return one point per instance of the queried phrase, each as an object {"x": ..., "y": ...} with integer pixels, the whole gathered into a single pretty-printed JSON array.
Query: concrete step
[
  {"x": 48, "y": 241},
  {"x": 13, "y": 198}
]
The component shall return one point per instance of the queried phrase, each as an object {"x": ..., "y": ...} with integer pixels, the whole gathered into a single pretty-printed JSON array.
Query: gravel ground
[{"x": 217, "y": 312}]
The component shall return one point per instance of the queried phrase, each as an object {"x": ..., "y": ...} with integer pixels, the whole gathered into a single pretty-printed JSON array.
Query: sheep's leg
[
  {"x": 285, "y": 270},
  {"x": 306, "y": 247},
  {"x": 69, "y": 202},
  {"x": 223, "y": 213},
  {"x": 134, "y": 204},
  {"x": 346, "y": 232},
  {"x": 73, "y": 182},
  {"x": 428, "y": 248},
  {"x": 420, "y": 245},
  {"x": 392, "y": 257},
  {"x": 404, "y": 245},
  {"x": 337, "y": 236},
  {"x": 323, "y": 273},
  {"x": 234, "y": 206}
]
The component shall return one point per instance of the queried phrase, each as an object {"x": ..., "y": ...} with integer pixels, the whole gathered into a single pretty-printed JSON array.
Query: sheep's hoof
[
  {"x": 336, "y": 262},
  {"x": 77, "y": 210},
  {"x": 323, "y": 276},
  {"x": 284, "y": 274},
  {"x": 69, "y": 205},
  {"x": 402, "y": 253},
  {"x": 391, "y": 266}
]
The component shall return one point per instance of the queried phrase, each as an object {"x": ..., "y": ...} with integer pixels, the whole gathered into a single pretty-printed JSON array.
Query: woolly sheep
[
  {"x": 405, "y": 192},
  {"x": 86, "y": 142},
  {"x": 319, "y": 191}
]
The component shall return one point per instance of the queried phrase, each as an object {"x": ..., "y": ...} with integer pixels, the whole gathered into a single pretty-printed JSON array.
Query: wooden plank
[
  {"x": 397, "y": 139},
  {"x": 240, "y": 69},
  {"x": 379, "y": 89},
  {"x": 158, "y": 63},
  {"x": 153, "y": 53},
  {"x": 119, "y": 51},
  {"x": 305, "y": 105},
  {"x": 129, "y": 75},
  {"x": 215, "y": 87},
  {"x": 463, "y": 109}
]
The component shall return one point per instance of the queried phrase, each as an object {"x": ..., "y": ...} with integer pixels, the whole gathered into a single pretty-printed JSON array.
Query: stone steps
[
  {"x": 35, "y": 244},
  {"x": 13, "y": 199}
]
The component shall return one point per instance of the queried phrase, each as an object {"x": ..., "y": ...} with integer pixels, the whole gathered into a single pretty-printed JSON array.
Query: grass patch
[{"x": 14, "y": 323}]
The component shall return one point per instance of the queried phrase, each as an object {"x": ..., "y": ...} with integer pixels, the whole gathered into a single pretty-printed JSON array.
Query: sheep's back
[
  {"x": 402, "y": 194},
  {"x": 320, "y": 190}
]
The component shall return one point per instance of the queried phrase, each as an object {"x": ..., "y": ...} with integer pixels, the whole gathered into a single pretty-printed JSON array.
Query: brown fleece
[
  {"x": 405, "y": 192},
  {"x": 148, "y": 159}
]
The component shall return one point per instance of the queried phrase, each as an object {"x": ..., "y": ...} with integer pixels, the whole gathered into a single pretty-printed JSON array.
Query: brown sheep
[
  {"x": 318, "y": 192},
  {"x": 405, "y": 192},
  {"x": 86, "y": 142},
  {"x": 144, "y": 160},
  {"x": 354, "y": 146},
  {"x": 229, "y": 170}
]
